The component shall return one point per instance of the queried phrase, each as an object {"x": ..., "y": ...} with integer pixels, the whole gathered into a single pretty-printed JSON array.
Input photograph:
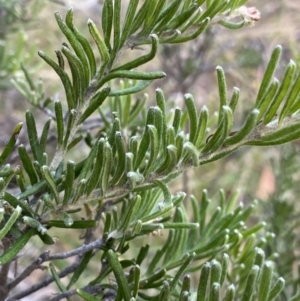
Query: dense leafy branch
[{"x": 124, "y": 174}]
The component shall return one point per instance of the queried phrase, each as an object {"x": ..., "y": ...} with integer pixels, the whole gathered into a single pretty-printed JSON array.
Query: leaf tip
[
  {"x": 57, "y": 14},
  {"x": 226, "y": 108},
  {"x": 204, "y": 108},
  {"x": 292, "y": 63},
  {"x": 187, "y": 95},
  {"x": 255, "y": 111},
  {"x": 154, "y": 36},
  {"x": 18, "y": 209}
]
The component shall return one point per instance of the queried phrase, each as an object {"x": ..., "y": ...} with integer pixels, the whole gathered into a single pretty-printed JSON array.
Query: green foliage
[
  {"x": 14, "y": 13},
  {"x": 282, "y": 215},
  {"x": 120, "y": 183},
  {"x": 14, "y": 16}
]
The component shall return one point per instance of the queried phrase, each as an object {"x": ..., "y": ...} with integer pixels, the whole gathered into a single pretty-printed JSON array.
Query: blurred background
[{"x": 270, "y": 175}]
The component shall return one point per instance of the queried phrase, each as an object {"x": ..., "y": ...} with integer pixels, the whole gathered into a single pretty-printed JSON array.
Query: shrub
[{"x": 112, "y": 183}]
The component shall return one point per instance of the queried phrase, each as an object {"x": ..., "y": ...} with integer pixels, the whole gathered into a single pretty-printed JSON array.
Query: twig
[
  {"x": 45, "y": 282},
  {"x": 4, "y": 273},
  {"x": 36, "y": 264},
  {"x": 95, "y": 289},
  {"x": 83, "y": 249},
  {"x": 45, "y": 257}
]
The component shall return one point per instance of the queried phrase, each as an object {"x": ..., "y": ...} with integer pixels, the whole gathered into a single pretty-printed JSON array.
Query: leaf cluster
[{"x": 120, "y": 185}]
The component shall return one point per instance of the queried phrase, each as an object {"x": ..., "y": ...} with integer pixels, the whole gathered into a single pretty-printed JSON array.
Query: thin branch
[
  {"x": 36, "y": 264},
  {"x": 89, "y": 234},
  {"x": 95, "y": 289},
  {"x": 47, "y": 111},
  {"x": 83, "y": 249},
  {"x": 4, "y": 272},
  {"x": 45, "y": 282},
  {"x": 45, "y": 257}
]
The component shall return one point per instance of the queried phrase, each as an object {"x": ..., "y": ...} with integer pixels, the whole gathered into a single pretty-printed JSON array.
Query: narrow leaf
[
  {"x": 33, "y": 138},
  {"x": 98, "y": 164},
  {"x": 250, "y": 285},
  {"x": 165, "y": 16},
  {"x": 9, "y": 146},
  {"x": 70, "y": 125},
  {"x": 245, "y": 130},
  {"x": 142, "y": 59},
  {"x": 190, "y": 152},
  {"x": 131, "y": 75},
  {"x": 140, "y": 16},
  {"x": 225, "y": 264},
  {"x": 181, "y": 18},
  {"x": 81, "y": 268},
  {"x": 203, "y": 281},
  {"x": 83, "y": 41},
  {"x": 27, "y": 163},
  {"x": 44, "y": 136},
  {"x": 232, "y": 25},
  {"x": 267, "y": 98},
  {"x": 276, "y": 289},
  {"x": 154, "y": 148},
  {"x": 12, "y": 219},
  {"x": 119, "y": 274},
  {"x": 76, "y": 46},
  {"x": 186, "y": 263},
  {"x": 50, "y": 181},
  {"x": 86, "y": 296},
  {"x": 194, "y": 35},
  {"x": 59, "y": 122},
  {"x": 117, "y": 29},
  {"x": 99, "y": 41},
  {"x": 141, "y": 85},
  {"x": 79, "y": 191},
  {"x": 95, "y": 103},
  {"x": 234, "y": 99},
  {"x": 282, "y": 92},
  {"x": 222, "y": 91},
  {"x": 170, "y": 162},
  {"x": 121, "y": 152},
  {"x": 64, "y": 78},
  {"x": 192, "y": 111},
  {"x": 128, "y": 22},
  {"x": 16, "y": 247},
  {"x": 83, "y": 224},
  {"x": 107, "y": 21},
  {"x": 14, "y": 202},
  {"x": 269, "y": 73},
  {"x": 202, "y": 126},
  {"x": 265, "y": 281},
  {"x": 105, "y": 173},
  {"x": 57, "y": 278},
  {"x": 230, "y": 293},
  {"x": 290, "y": 99},
  {"x": 79, "y": 85},
  {"x": 70, "y": 176}
]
